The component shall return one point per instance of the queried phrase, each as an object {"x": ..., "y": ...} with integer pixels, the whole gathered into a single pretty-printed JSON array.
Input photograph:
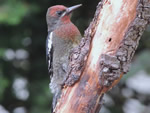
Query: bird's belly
[{"x": 60, "y": 58}]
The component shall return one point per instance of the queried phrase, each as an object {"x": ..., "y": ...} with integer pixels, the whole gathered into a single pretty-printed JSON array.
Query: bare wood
[{"x": 104, "y": 55}]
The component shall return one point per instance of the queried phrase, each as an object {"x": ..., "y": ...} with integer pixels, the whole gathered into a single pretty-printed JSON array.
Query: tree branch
[{"x": 104, "y": 54}]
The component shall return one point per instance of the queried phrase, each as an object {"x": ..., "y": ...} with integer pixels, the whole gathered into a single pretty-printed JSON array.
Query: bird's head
[{"x": 59, "y": 14}]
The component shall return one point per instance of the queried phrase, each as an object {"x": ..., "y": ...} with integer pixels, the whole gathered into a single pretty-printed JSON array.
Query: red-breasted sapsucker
[{"x": 63, "y": 35}]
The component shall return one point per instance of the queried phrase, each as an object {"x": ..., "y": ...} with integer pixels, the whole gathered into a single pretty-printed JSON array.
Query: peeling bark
[{"x": 104, "y": 54}]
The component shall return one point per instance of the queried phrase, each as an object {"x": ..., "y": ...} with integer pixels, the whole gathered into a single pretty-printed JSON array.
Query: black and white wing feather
[{"x": 49, "y": 53}]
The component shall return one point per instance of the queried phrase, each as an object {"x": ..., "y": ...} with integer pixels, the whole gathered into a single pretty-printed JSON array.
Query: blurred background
[{"x": 24, "y": 82}]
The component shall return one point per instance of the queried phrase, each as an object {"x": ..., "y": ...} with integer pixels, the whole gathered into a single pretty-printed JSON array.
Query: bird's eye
[{"x": 59, "y": 13}]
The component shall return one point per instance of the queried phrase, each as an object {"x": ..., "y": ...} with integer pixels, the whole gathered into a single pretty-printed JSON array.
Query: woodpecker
[{"x": 63, "y": 35}]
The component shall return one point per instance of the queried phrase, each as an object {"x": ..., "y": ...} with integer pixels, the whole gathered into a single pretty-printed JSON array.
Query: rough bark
[{"x": 104, "y": 54}]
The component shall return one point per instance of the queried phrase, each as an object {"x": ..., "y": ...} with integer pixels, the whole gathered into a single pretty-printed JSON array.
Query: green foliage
[
  {"x": 40, "y": 97},
  {"x": 3, "y": 85},
  {"x": 2, "y": 51},
  {"x": 13, "y": 11}
]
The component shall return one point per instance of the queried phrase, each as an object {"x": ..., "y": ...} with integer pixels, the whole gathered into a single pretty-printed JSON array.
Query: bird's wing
[{"x": 49, "y": 54}]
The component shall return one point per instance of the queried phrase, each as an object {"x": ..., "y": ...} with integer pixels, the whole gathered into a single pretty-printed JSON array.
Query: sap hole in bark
[{"x": 109, "y": 40}]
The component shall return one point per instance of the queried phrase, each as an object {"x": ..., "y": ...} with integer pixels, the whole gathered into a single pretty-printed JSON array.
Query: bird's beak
[{"x": 72, "y": 8}]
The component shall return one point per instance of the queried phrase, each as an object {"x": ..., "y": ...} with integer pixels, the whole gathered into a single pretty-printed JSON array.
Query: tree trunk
[{"x": 104, "y": 54}]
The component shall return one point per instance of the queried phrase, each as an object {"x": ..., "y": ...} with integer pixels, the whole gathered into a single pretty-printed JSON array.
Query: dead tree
[{"x": 104, "y": 54}]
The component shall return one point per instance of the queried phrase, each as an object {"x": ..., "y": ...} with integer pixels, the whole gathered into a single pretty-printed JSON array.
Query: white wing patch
[
  {"x": 50, "y": 41},
  {"x": 49, "y": 53}
]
